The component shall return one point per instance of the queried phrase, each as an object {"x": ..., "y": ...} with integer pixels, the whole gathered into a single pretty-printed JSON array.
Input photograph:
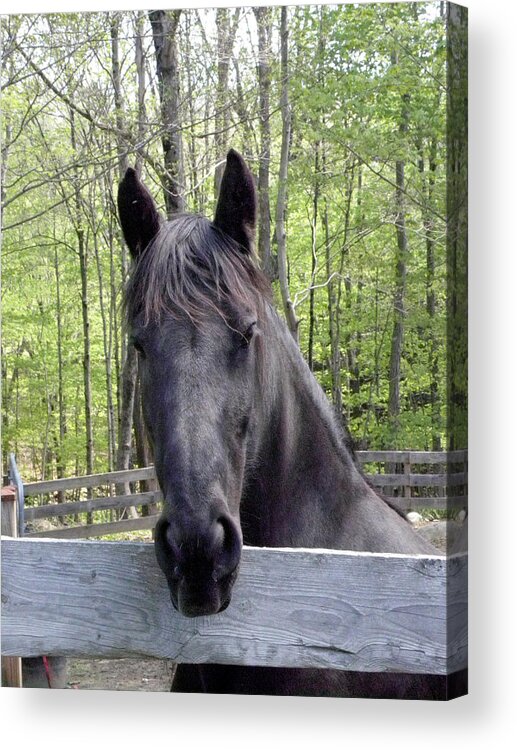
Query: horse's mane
[
  {"x": 190, "y": 268},
  {"x": 336, "y": 426}
]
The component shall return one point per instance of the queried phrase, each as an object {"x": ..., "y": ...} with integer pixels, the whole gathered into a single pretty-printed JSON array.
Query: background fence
[
  {"x": 415, "y": 479},
  {"x": 419, "y": 479},
  {"x": 46, "y": 504}
]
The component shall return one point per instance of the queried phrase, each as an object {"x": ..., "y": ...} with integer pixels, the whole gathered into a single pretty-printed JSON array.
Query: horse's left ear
[
  {"x": 236, "y": 211},
  {"x": 139, "y": 218}
]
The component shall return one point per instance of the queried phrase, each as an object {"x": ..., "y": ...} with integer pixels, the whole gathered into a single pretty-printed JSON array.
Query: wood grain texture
[
  {"x": 319, "y": 608},
  {"x": 89, "y": 480},
  {"x": 414, "y": 457},
  {"x": 97, "y": 529},
  {"x": 418, "y": 480},
  {"x": 50, "y": 510},
  {"x": 9, "y": 516}
]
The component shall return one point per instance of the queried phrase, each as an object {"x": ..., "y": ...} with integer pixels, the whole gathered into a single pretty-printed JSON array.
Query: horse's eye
[
  {"x": 247, "y": 335},
  {"x": 138, "y": 346}
]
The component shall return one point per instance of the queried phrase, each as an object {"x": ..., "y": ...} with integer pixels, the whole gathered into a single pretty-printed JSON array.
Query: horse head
[{"x": 193, "y": 308}]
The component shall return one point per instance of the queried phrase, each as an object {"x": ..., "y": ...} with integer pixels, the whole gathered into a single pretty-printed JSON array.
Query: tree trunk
[
  {"x": 60, "y": 469},
  {"x": 263, "y": 17},
  {"x": 314, "y": 255},
  {"x": 83, "y": 263},
  {"x": 333, "y": 320},
  {"x": 397, "y": 337},
  {"x": 123, "y": 162},
  {"x": 193, "y": 168},
  {"x": 249, "y": 136},
  {"x": 111, "y": 335},
  {"x": 428, "y": 191},
  {"x": 143, "y": 451},
  {"x": 226, "y": 30},
  {"x": 114, "y": 319},
  {"x": 345, "y": 279},
  {"x": 457, "y": 227},
  {"x": 82, "y": 249},
  {"x": 335, "y": 293},
  {"x": 281, "y": 203},
  {"x": 106, "y": 342},
  {"x": 140, "y": 75},
  {"x": 129, "y": 374},
  {"x": 165, "y": 25},
  {"x": 355, "y": 379},
  {"x": 128, "y": 371},
  {"x": 318, "y": 146}
]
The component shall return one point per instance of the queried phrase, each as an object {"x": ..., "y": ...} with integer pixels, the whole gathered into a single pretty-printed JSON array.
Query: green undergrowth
[{"x": 144, "y": 535}]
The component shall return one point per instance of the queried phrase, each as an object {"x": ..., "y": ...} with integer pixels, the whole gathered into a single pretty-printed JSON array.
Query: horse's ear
[
  {"x": 236, "y": 210},
  {"x": 139, "y": 218}
]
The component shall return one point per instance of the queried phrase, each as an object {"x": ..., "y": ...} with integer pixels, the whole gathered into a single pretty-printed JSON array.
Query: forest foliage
[{"x": 349, "y": 100}]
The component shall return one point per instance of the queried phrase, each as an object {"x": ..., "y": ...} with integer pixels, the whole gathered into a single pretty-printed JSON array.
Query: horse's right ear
[
  {"x": 139, "y": 218},
  {"x": 236, "y": 211}
]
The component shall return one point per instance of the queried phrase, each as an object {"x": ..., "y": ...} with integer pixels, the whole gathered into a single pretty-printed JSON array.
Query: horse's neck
[
  {"x": 303, "y": 487},
  {"x": 301, "y": 472}
]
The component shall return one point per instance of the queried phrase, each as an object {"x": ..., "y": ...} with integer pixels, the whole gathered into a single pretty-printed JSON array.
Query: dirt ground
[{"x": 149, "y": 675}]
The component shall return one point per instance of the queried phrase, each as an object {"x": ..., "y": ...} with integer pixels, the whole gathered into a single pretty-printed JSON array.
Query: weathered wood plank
[
  {"x": 381, "y": 456},
  {"x": 418, "y": 480},
  {"x": 89, "y": 480},
  {"x": 319, "y": 608},
  {"x": 51, "y": 510},
  {"x": 438, "y": 457},
  {"x": 438, "y": 480},
  {"x": 97, "y": 529},
  {"x": 415, "y": 457}
]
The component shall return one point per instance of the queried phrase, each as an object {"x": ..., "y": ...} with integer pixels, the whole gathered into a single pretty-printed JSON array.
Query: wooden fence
[
  {"x": 106, "y": 501},
  {"x": 415, "y": 479},
  {"x": 290, "y": 607},
  {"x": 304, "y": 607},
  {"x": 419, "y": 479}
]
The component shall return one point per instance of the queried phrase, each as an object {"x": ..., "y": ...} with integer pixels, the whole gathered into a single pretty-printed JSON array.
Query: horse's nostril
[
  {"x": 229, "y": 545},
  {"x": 224, "y": 534},
  {"x": 219, "y": 539}
]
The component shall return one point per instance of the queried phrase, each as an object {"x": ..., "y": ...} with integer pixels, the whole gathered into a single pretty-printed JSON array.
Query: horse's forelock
[{"x": 193, "y": 269}]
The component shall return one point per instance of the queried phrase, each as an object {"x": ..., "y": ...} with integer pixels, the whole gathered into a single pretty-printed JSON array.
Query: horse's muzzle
[
  {"x": 200, "y": 567},
  {"x": 196, "y": 608}
]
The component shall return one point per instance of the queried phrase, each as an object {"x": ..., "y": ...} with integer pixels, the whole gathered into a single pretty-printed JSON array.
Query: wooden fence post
[
  {"x": 9, "y": 511},
  {"x": 406, "y": 492},
  {"x": 11, "y": 665}
]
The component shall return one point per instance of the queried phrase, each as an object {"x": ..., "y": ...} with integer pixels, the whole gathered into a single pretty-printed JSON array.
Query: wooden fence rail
[
  {"x": 50, "y": 510},
  {"x": 305, "y": 607},
  {"x": 414, "y": 489},
  {"x": 90, "y": 480},
  {"x": 107, "y": 480}
]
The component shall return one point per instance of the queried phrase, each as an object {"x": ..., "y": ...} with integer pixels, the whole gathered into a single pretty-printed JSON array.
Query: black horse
[{"x": 246, "y": 446}]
